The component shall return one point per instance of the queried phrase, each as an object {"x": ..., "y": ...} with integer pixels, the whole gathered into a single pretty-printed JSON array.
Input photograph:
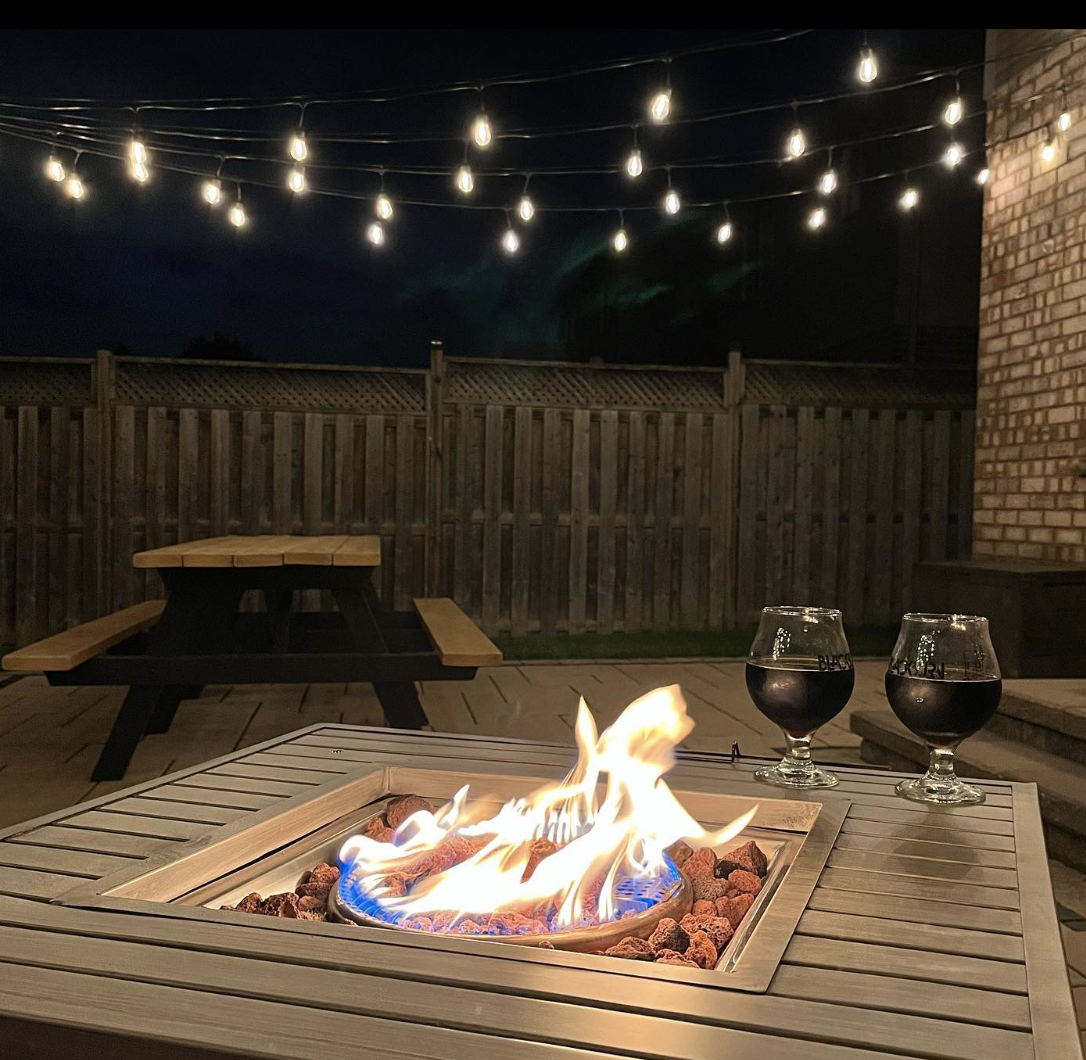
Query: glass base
[
  {"x": 786, "y": 774},
  {"x": 942, "y": 790}
]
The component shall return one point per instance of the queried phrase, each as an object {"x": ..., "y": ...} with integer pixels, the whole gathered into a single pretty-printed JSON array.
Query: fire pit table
[{"x": 882, "y": 928}]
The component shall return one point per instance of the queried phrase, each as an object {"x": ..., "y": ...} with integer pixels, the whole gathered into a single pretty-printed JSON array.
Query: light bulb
[
  {"x": 139, "y": 172},
  {"x": 983, "y": 175},
  {"x": 797, "y": 142},
  {"x": 375, "y": 233},
  {"x": 1063, "y": 122},
  {"x": 619, "y": 241},
  {"x": 383, "y": 206},
  {"x": 54, "y": 169},
  {"x": 634, "y": 166},
  {"x": 137, "y": 151},
  {"x": 827, "y": 184},
  {"x": 464, "y": 180},
  {"x": 868, "y": 69},
  {"x": 296, "y": 181},
  {"x": 212, "y": 192},
  {"x": 525, "y": 208},
  {"x": 724, "y": 232},
  {"x": 672, "y": 202},
  {"x": 1048, "y": 150},
  {"x": 954, "y": 154},
  {"x": 510, "y": 241},
  {"x": 237, "y": 215},
  {"x": 909, "y": 198},
  {"x": 481, "y": 132},
  {"x": 75, "y": 187},
  {"x": 954, "y": 111},
  {"x": 299, "y": 149},
  {"x": 817, "y": 217},
  {"x": 660, "y": 106}
]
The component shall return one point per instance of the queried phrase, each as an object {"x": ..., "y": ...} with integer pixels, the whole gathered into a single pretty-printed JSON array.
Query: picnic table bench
[{"x": 166, "y": 650}]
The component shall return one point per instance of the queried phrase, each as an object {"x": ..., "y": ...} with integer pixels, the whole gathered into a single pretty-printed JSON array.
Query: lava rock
[
  {"x": 251, "y": 903},
  {"x": 284, "y": 905},
  {"x": 631, "y": 948},
  {"x": 734, "y": 909},
  {"x": 703, "y": 907},
  {"x": 311, "y": 908},
  {"x": 718, "y": 928},
  {"x": 403, "y": 806},
  {"x": 701, "y": 950},
  {"x": 673, "y": 957},
  {"x": 668, "y": 936},
  {"x": 707, "y": 888},
  {"x": 745, "y": 882},
  {"x": 320, "y": 882},
  {"x": 748, "y": 857},
  {"x": 540, "y": 849},
  {"x": 701, "y": 863}
]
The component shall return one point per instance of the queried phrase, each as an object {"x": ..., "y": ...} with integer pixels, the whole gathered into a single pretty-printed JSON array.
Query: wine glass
[
  {"x": 943, "y": 683},
  {"x": 800, "y": 675}
]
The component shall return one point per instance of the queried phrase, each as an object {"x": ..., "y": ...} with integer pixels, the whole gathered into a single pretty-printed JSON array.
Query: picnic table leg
[
  {"x": 129, "y": 726},
  {"x": 162, "y": 716},
  {"x": 400, "y": 702}
]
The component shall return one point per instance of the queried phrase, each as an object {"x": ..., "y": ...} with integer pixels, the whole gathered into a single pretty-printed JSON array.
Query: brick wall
[{"x": 1030, "y": 489}]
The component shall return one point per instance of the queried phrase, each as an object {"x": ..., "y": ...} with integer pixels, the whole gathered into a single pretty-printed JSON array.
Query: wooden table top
[
  {"x": 931, "y": 934},
  {"x": 267, "y": 550}
]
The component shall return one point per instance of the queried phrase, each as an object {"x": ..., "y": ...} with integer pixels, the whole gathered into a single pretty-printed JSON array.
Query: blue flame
[{"x": 632, "y": 894}]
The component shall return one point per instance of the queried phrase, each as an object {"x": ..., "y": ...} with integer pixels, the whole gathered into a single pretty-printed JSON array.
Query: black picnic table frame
[{"x": 202, "y": 638}]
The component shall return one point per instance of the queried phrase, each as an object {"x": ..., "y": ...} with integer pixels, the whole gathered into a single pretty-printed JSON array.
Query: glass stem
[
  {"x": 799, "y": 752},
  {"x": 941, "y": 765}
]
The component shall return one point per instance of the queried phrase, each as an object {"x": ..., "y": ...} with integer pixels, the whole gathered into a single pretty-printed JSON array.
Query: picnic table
[{"x": 165, "y": 651}]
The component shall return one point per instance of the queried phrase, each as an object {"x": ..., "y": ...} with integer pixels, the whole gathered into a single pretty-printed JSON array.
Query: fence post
[
  {"x": 104, "y": 370},
  {"x": 734, "y": 389},
  {"x": 435, "y": 468}
]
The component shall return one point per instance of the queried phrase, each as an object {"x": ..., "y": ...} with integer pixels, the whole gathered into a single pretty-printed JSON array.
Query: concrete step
[
  {"x": 1061, "y": 782},
  {"x": 1047, "y": 714}
]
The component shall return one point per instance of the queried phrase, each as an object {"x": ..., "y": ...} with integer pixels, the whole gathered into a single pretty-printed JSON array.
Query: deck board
[{"x": 911, "y": 944}]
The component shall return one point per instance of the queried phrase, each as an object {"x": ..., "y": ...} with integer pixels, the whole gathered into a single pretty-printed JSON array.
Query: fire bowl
[{"x": 647, "y": 902}]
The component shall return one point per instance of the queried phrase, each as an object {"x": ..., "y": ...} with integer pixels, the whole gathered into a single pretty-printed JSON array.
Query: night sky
[{"x": 150, "y": 268}]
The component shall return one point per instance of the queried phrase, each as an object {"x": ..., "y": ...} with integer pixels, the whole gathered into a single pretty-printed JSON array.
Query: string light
[
  {"x": 296, "y": 180},
  {"x": 74, "y": 187},
  {"x": 868, "y": 68},
  {"x": 954, "y": 111},
  {"x": 909, "y": 198},
  {"x": 375, "y": 233},
  {"x": 481, "y": 132},
  {"x": 54, "y": 169},
  {"x": 983, "y": 176},
  {"x": 660, "y": 106},
  {"x": 525, "y": 209},
  {"x": 816, "y": 218},
  {"x": 620, "y": 241},
  {"x": 954, "y": 154},
  {"x": 827, "y": 183},
  {"x": 510, "y": 242},
  {"x": 137, "y": 160},
  {"x": 383, "y": 205},
  {"x": 237, "y": 216},
  {"x": 634, "y": 165},
  {"x": 137, "y": 150},
  {"x": 139, "y": 172},
  {"x": 796, "y": 144},
  {"x": 1048, "y": 148},
  {"x": 725, "y": 231},
  {"x": 299, "y": 149},
  {"x": 672, "y": 202},
  {"x": 1063, "y": 122},
  {"x": 465, "y": 182},
  {"x": 212, "y": 192}
]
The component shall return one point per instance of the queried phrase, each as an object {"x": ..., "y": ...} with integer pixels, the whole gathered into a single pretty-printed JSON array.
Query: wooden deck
[{"x": 931, "y": 934}]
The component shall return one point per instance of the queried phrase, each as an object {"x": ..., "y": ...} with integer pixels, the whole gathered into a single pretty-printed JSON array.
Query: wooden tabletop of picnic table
[{"x": 267, "y": 550}]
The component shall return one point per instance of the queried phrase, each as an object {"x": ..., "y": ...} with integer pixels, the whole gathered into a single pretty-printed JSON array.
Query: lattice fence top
[
  {"x": 858, "y": 386},
  {"x": 61, "y": 383},
  {"x": 205, "y": 385},
  {"x": 580, "y": 386}
]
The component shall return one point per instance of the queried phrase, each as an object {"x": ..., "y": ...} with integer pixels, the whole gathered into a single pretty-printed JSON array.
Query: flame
[{"x": 598, "y": 839}]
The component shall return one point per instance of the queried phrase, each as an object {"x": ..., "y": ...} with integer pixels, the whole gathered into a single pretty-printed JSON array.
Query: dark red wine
[
  {"x": 799, "y": 701},
  {"x": 943, "y": 712}
]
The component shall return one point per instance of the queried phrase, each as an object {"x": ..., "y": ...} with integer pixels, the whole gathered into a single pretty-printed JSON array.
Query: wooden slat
[
  {"x": 65, "y": 651},
  {"x": 174, "y": 555},
  {"x": 970, "y": 856},
  {"x": 550, "y": 570},
  {"x": 662, "y": 616},
  {"x": 283, "y": 476},
  {"x": 27, "y": 619},
  {"x": 605, "y": 550},
  {"x": 492, "y": 515},
  {"x": 361, "y": 550},
  {"x": 916, "y": 910},
  {"x": 227, "y": 782},
  {"x": 405, "y": 509},
  {"x": 131, "y": 846},
  {"x": 831, "y": 505},
  {"x": 910, "y": 887},
  {"x": 747, "y": 604},
  {"x": 578, "y": 519},
  {"x": 220, "y": 466},
  {"x": 721, "y": 524},
  {"x": 457, "y": 639},
  {"x": 635, "y": 524},
  {"x": 924, "y": 867},
  {"x": 178, "y": 811},
  {"x": 211, "y": 797},
  {"x": 133, "y": 825},
  {"x": 522, "y": 531},
  {"x": 856, "y": 558},
  {"x": 313, "y": 551},
  {"x": 28, "y": 883},
  {"x": 66, "y": 862},
  {"x": 894, "y": 830}
]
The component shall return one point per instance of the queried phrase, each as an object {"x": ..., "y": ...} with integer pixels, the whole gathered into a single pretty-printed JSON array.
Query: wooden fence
[{"x": 542, "y": 497}]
